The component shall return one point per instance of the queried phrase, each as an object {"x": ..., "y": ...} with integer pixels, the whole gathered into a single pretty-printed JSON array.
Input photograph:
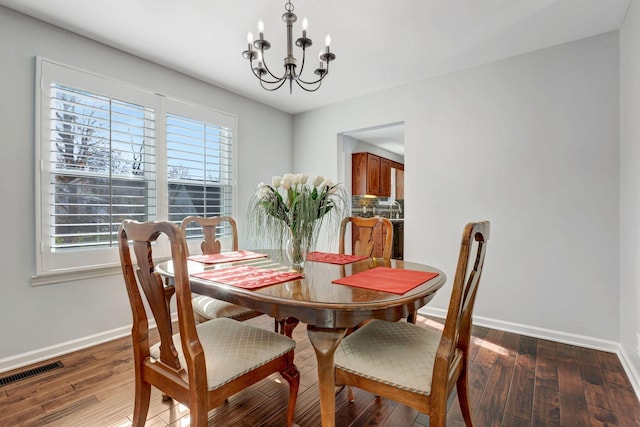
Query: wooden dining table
[{"x": 329, "y": 310}]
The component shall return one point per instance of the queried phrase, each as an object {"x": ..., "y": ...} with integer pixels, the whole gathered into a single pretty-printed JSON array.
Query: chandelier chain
[{"x": 288, "y": 6}]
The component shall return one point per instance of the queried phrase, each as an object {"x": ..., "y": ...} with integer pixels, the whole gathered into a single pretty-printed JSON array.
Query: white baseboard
[
  {"x": 31, "y": 357},
  {"x": 551, "y": 335},
  {"x": 631, "y": 371}
]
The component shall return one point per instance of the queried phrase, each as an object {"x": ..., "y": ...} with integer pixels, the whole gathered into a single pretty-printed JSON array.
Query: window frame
[{"x": 76, "y": 264}]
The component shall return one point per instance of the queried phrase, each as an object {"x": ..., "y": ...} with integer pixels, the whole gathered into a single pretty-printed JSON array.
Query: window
[
  {"x": 200, "y": 167},
  {"x": 102, "y": 167},
  {"x": 109, "y": 151}
]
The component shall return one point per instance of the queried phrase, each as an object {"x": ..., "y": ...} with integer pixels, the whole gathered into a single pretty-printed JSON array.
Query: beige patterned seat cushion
[
  {"x": 232, "y": 349},
  {"x": 212, "y": 308},
  {"x": 396, "y": 353}
]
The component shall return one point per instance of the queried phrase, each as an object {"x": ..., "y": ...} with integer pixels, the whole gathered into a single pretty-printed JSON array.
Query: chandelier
[{"x": 269, "y": 80}]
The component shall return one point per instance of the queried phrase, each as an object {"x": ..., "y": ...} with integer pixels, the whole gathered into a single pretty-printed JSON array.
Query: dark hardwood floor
[{"x": 515, "y": 381}]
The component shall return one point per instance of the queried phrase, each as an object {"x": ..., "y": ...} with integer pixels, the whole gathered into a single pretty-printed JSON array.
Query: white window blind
[
  {"x": 102, "y": 167},
  {"x": 199, "y": 166}
]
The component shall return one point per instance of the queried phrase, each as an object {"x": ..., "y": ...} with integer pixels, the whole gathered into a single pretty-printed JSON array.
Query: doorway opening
[{"x": 371, "y": 162}]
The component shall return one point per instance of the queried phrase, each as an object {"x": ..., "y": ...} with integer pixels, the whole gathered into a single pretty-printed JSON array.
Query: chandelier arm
[
  {"x": 302, "y": 64},
  {"x": 319, "y": 82},
  {"x": 313, "y": 82},
  {"x": 281, "y": 82},
  {"x": 277, "y": 79},
  {"x": 264, "y": 62}
]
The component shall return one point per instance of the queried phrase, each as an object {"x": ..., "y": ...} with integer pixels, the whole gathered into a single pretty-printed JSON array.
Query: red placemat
[
  {"x": 387, "y": 279},
  {"x": 248, "y": 277},
  {"x": 226, "y": 257},
  {"x": 330, "y": 258}
]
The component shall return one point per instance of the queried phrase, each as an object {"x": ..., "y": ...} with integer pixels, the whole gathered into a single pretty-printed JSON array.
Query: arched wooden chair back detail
[
  {"x": 203, "y": 364},
  {"x": 211, "y": 243},
  {"x": 207, "y": 308},
  {"x": 417, "y": 365},
  {"x": 152, "y": 285},
  {"x": 371, "y": 237}
]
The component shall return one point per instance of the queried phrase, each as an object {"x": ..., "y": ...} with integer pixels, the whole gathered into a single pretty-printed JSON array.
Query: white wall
[
  {"x": 529, "y": 143},
  {"x": 33, "y": 318},
  {"x": 630, "y": 186}
]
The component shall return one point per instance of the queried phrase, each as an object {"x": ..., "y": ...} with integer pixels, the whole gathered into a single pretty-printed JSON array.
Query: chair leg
[
  {"x": 292, "y": 376},
  {"x": 438, "y": 419},
  {"x": 412, "y": 317},
  {"x": 350, "y": 396},
  {"x": 198, "y": 414},
  {"x": 141, "y": 403},
  {"x": 462, "y": 387}
]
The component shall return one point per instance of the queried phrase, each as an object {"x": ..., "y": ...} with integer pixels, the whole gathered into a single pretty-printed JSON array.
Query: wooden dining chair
[
  {"x": 371, "y": 237},
  {"x": 204, "y": 307},
  {"x": 204, "y": 363},
  {"x": 415, "y": 365}
]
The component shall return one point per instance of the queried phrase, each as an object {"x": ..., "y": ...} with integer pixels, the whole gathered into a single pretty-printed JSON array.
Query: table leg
[{"x": 325, "y": 342}]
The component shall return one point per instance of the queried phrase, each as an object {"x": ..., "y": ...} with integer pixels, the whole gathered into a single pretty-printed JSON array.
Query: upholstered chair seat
[
  {"x": 232, "y": 349},
  {"x": 207, "y": 308},
  {"x": 392, "y": 353}
]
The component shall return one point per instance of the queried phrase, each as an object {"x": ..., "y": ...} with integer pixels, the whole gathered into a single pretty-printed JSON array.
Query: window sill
[{"x": 51, "y": 278}]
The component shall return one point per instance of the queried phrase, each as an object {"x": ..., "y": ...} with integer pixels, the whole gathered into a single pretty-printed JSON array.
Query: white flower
[
  {"x": 303, "y": 178},
  {"x": 317, "y": 181},
  {"x": 262, "y": 191},
  {"x": 287, "y": 180},
  {"x": 275, "y": 181},
  {"x": 297, "y": 179},
  {"x": 327, "y": 183}
]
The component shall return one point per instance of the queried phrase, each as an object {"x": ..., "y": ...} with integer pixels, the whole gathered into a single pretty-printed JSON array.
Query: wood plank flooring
[{"x": 515, "y": 381}]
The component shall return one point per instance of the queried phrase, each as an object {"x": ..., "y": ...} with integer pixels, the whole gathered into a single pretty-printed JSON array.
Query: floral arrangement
[{"x": 293, "y": 209}]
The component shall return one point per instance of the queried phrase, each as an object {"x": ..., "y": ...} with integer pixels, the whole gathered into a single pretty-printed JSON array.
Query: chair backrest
[
  {"x": 371, "y": 237},
  {"x": 211, "y": 243},
  {"x": 456, "y": 336},
  {"x": 140, "y": 236}
]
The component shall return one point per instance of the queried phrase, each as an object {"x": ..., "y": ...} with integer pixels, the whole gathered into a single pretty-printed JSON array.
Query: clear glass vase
[{"x": 297, "y": 250}]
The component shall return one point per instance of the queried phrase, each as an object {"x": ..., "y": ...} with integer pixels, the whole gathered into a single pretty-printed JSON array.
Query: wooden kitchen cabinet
[
  {"x": 370, "y": 174},
  {"x": 399, "y": 184},
  {"x": 398, "y": 170},
  {"x": 385, "y": 177}
]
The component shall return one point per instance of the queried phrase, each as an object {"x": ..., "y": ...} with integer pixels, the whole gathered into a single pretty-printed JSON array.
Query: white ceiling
[
  {"x": 379, "y": 44},
  {"x": 389, "y": 137}
]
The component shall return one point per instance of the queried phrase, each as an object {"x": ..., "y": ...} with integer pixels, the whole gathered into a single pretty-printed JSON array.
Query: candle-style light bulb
[
  {"x": 305, "y": 23},
  {"x": 261, "y": 26},
  {"x": 327, "y": 40},
  {"x": 250, "y": 37}
]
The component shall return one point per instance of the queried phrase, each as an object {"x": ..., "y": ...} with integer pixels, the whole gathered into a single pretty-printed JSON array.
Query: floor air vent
[{"x": 30, "y": 373}]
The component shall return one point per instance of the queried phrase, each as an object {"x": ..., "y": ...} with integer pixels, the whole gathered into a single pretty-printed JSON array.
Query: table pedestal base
[{"x": 325, "y": 342}]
